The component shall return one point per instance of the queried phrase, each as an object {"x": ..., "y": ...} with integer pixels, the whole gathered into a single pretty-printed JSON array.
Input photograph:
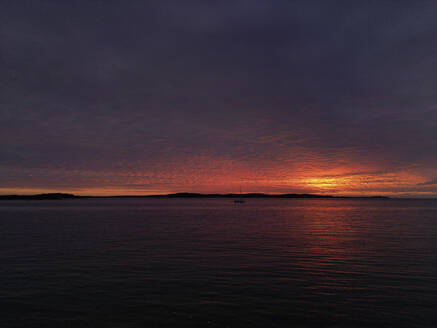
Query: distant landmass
[
  {"x": 178, "y": 195},
  {"x": 39, "y": 196}
]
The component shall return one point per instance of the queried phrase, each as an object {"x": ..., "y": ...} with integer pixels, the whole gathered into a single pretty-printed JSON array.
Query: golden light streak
[{"x": 326, "y": 183}]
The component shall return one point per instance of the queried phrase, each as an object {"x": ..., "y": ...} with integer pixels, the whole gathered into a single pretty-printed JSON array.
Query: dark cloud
[
  {"x": 274, "y": 88},
  {"x": 428, "y": 183}
]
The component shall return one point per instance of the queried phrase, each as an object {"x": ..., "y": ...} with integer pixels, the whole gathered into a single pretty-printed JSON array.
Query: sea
[{"x": 155, "y": 262}]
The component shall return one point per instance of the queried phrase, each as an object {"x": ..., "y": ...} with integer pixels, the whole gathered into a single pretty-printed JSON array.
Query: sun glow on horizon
[
  {"x": 326, "y": 183},
  {"x": 337, "y": 181}
]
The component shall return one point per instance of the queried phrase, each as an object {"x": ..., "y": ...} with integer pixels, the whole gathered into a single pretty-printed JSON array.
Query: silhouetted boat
[{"x": 239, "y": 201}]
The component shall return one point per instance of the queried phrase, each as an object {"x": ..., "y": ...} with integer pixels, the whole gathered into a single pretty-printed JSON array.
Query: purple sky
[{"x": 140, "y": 97}]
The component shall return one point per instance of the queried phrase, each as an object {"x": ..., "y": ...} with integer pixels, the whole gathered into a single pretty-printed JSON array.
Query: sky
[{"x": 155, "y": 97}]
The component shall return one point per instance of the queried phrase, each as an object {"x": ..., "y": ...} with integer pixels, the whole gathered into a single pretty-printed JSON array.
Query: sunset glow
[
  {"x": 185, "y": 98},
  {"x": 193, "y": 163},
  {"x": 229, "y": 181}
]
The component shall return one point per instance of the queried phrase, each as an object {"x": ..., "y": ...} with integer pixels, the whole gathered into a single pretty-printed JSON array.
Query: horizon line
[{"x": 61, "y": 195}]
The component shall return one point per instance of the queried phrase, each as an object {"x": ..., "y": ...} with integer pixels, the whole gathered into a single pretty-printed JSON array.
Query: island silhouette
[{"x": 54, "y": 196}]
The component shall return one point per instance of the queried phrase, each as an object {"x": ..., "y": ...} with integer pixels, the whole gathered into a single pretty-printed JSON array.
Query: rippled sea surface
[{"x": 213, "y": 263}]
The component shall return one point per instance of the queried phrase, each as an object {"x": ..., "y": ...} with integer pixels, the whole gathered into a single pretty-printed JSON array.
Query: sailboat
[{"x": 239, "y": 201}]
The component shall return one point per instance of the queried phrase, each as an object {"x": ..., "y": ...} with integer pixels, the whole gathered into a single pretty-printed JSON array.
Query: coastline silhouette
[{"x": 54, "y": 196}]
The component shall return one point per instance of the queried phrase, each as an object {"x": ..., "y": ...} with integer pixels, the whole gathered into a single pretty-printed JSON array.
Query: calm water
[{"x": 211, "y": 263}]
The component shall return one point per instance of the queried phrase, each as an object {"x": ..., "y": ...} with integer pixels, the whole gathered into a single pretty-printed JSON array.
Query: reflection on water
[{"x": 191, "y": 262}]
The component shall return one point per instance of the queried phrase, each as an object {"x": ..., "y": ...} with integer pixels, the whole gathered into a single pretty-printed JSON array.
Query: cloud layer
[{"x": 162, "y": 96}]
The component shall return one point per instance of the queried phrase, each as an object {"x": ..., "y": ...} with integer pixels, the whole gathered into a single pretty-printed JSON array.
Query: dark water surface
[{"x": 211, "y": 263}]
